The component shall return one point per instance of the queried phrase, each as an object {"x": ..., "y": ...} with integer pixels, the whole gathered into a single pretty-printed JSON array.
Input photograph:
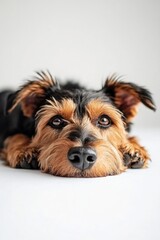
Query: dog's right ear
[
  {"x": 31, "y": 95},
  {"x": 126, "y": 96}
]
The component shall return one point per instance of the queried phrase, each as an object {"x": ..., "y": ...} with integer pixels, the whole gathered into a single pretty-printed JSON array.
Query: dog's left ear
[
  {"x": 127, "y": 96},
  {"x": 31, "y": 95}
]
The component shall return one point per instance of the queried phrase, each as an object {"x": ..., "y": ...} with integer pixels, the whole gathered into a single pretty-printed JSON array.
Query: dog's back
[
  {"x": 5, "y": 120},
  {"x": 14, "y": 122}
]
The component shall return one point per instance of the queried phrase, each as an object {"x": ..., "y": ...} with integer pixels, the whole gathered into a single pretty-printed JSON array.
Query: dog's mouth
[
  {"x": 91, "y": 172},
  {"x": 83, "y": 174},
  {"x": 77, "y": 174}
]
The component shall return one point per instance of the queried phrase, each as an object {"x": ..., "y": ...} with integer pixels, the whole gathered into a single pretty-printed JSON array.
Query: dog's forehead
[{"x": 81, "y": 98}]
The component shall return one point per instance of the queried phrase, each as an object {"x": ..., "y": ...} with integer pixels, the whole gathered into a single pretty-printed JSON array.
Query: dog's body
[{"x": 70, "y": 131}]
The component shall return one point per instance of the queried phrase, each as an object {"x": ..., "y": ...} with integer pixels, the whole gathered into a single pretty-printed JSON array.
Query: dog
[{"x": 67, "y": 130}]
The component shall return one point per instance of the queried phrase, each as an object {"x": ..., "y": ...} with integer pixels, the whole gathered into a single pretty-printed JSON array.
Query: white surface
[
  {"x": 34, "y": 205},
  {"x": 82, "y": 39}
]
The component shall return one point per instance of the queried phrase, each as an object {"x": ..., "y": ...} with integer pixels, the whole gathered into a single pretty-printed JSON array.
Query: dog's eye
[
  {"x": 104, "y": 121},
  {"x": 58, "y": 122}
]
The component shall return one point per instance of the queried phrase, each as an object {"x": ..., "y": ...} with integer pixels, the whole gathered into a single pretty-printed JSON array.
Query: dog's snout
[{"x": 82, "y": 157}]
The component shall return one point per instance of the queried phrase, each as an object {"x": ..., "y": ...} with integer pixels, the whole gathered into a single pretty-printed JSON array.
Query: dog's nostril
[
  {"x": 81, "y": 157},
  {"x": 74, "y": 158},
  {"x": 90, "y": 159}
]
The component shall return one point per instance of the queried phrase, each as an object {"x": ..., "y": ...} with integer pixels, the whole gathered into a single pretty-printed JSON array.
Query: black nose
[{"x": 82, "y": 157}]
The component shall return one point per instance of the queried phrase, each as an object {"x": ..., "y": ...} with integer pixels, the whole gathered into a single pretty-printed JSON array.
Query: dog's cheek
[
  {"x": 53, "y": 158},
  {"x": 109, "y": 160}
]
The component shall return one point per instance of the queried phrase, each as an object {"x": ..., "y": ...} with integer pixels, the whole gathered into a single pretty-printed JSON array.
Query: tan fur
[{"x": 15, "y": 148}]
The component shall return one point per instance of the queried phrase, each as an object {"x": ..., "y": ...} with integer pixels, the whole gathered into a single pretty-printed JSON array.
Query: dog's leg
[
  {"x": 134, "y": 155},
  {"x": 18, "y": 152}
]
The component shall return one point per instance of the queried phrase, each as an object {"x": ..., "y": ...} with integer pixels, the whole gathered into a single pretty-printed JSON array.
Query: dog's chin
[{"x": 82, "y": 174}]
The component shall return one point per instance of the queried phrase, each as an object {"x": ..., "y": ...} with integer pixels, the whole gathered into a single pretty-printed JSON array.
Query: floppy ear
[
  {"x": 31, "y": 95},
  {"x": 127, "y": 96}
]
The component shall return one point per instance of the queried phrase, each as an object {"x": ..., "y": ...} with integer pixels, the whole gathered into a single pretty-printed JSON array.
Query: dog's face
[{"x": 81, "y": 133}]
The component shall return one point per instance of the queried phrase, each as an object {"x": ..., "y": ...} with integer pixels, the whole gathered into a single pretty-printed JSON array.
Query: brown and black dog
[{"x": 67, "y": 130}]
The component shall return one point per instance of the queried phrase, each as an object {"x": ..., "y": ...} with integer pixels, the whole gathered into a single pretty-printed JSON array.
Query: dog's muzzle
[{"x": 82, "y": 157}]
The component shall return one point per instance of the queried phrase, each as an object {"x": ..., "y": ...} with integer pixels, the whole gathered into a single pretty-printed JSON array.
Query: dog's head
[{"x": 81, "y": 132}]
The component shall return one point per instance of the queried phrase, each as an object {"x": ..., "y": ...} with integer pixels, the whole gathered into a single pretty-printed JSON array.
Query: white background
[{"x": 85, "y": 40}]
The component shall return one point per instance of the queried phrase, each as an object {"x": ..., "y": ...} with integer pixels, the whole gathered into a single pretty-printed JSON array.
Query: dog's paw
[
  {"x": 28, "y": 159},
  {"x": 135, "y": 155},
  {"x": 135, "y": 160}
]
